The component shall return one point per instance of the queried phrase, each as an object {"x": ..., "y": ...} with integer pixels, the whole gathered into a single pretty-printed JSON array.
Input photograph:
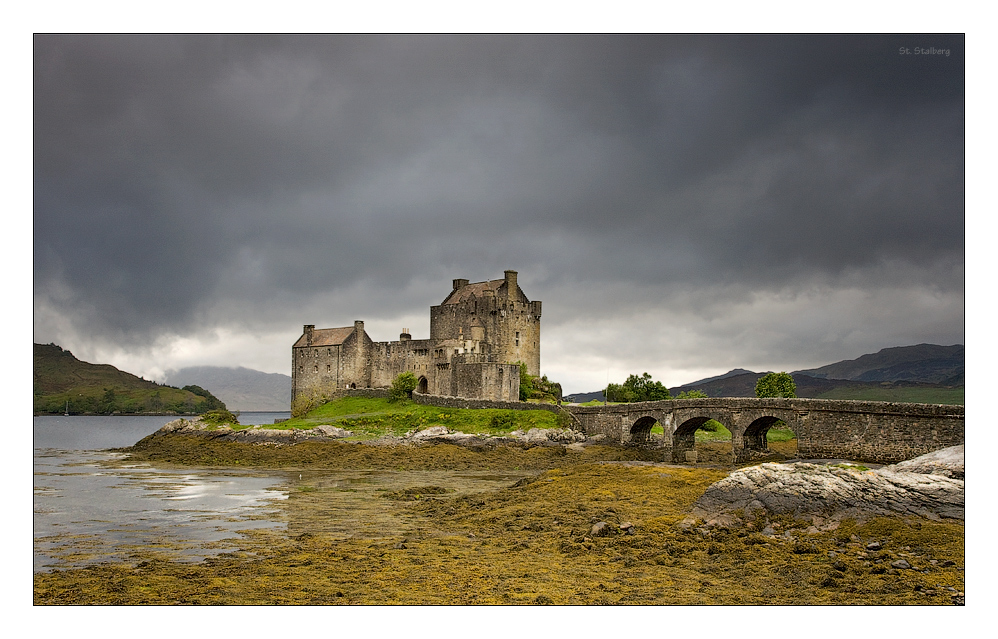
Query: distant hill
[
  {"x": 732, "y": 373},
  {"x": 924, "y": 373},
  {"x": 61, "y": 380},
  {"x": 582, "y": 398},
  {"x": 240, "y": 388},
  {"x": 927, "y": 363},
  {"x": 887, "y": 391}
]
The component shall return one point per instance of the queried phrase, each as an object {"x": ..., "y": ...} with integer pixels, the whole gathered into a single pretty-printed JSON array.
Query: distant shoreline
[{"x": 117, "y": 414}]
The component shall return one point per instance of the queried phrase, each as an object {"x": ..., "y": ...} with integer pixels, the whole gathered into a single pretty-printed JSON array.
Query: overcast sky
[{"x": 682, "y": 205}]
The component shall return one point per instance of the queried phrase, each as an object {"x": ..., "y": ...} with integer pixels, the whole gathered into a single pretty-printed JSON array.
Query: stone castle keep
[{"x": 476, "y": 334}]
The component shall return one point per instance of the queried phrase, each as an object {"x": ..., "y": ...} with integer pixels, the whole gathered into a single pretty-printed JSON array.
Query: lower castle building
[{"x": 476, "y": 335}]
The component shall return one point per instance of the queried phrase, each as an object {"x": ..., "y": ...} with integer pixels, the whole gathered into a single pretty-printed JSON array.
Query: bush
[
  {"x": 402, "y": 387},
  {"x": 691, "y": 394},
  {"x": 526, "y": 382},
  {"x": 219, "y": 417},
  {"x": 637, "y": 389},
  {"x": 776, "y": 385},
  {"x": 307, "y": 401},
  {"x": 711, "y": 426},
  {"x": 502, "y": 421}
]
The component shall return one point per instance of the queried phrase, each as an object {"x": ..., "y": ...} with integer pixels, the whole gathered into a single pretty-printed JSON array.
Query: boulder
[
  {"x": 335, "y": 432},
  {"x": 947, "y": 462},
  {"x": 431, "y": 432},
  {"x": 830, "y": 492}
]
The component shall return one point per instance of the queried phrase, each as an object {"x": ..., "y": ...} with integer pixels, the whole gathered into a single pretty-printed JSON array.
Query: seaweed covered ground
[{"x": 532, "y": 542}]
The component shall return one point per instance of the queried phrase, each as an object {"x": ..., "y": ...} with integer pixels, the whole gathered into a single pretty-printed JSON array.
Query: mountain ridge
[
  {"x": 242, "y": 389},
  {"x": 921, "y": 372},
  {"x": 928, "y": 363}
]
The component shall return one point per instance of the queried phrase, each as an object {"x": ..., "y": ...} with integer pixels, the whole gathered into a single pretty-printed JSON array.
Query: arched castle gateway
[{"x": 475, "y": 334}]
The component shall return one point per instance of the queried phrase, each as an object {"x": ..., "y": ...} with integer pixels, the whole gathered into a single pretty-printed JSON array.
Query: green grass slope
[
  {"x": 103, "y": 389},
  {"x": 898, "y": 393},
  {"x": 373, "y": 417}
]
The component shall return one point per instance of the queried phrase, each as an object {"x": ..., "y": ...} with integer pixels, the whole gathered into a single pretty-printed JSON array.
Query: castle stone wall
[{"x": 328, "y": 368}]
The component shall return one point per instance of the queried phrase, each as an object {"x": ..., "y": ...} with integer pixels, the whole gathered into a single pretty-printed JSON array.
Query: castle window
[
  {"x": 316, "y": 370},
  {"x": 518, "y": 338},
  {"x": 329, "y": 351},
  {"x": 301, "y": 369},
  {"x": 316, "y": 352},
  {"x": 328, "y": 368}
]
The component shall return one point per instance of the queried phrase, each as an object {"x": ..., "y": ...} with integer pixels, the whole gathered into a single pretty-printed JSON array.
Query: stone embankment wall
[{"x": 460, "y": 402}]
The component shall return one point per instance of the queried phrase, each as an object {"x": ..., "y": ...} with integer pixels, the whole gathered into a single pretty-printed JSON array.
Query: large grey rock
[
  {"x": 336, "y": 432},
  {"x": 830, "y": 492},
  {"x": 947, "y": 462},
  {"x": 431, "y": 432}
]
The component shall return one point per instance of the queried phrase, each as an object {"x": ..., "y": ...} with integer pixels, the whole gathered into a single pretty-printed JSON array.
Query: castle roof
[
  {"x": 326, "y": 337},
  {"x": 478, "y": 289},
  {"x": 475, "y": 289}
]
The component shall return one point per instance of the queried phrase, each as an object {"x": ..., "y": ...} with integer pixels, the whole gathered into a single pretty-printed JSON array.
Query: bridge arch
[
  {"x": 640, "y": 431},
  {"x": 754, "y": 439},
  {"x": 684, "y": 438}
]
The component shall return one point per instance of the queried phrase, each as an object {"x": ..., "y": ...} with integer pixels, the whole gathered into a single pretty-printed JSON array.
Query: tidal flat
[{"x": 530, "y": 541}]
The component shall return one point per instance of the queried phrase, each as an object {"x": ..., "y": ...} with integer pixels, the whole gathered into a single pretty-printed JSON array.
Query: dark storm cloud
[{"x": 173, "y": 172}]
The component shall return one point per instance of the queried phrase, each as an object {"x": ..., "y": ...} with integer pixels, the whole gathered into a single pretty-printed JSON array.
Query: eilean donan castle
[{"x": 476, "y": 334}]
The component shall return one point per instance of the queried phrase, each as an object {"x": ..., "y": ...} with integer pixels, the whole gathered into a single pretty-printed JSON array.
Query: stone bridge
[{"x": 883, "y": 432}]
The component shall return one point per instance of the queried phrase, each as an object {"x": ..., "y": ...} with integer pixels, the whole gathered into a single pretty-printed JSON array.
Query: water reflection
[
  {"x": 117, "y": 510},
  {"x": 87, "y": 511}
]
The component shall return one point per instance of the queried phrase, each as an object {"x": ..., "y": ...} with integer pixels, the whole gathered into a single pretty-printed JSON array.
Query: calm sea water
[{"x": 86, "y": 511}]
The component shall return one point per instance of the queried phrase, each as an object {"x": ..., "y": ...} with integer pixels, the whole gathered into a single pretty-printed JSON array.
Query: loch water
[
  {"x": 89, "y": 511},
  {"x": 86, "y": 511}
]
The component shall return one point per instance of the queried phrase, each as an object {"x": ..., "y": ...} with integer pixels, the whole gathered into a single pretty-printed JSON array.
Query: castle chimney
[
  {"x": 404, "y": 336},
  {"x": 511, "y": 284},
  {"x": 460, "y": 283},
  {"x": 358, "y": 326},
  {"x": 308, "y": 333}
]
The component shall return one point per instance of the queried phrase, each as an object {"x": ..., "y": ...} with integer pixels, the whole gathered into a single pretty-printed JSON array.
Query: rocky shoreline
[{"x": 433, "y": 435}]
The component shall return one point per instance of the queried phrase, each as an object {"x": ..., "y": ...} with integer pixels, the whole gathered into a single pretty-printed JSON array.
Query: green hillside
[
  {"x": 897, "y": 393},
  {"x": 102, "y": 389}
]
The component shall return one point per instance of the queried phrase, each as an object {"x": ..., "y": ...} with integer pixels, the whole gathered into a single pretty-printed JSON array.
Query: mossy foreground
[{"x": 531, "y": 543}]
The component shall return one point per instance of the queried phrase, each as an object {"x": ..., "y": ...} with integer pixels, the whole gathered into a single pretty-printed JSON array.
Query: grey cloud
[{"x": 176, "y": 177}]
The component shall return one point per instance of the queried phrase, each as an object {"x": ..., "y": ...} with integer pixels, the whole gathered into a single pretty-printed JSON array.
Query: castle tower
[{"x": 495, "y": 312}]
